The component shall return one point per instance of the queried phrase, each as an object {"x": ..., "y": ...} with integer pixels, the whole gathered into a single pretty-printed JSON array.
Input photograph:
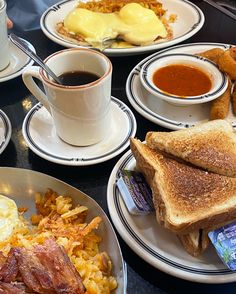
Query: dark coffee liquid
[{"x": 78, "y": 78}]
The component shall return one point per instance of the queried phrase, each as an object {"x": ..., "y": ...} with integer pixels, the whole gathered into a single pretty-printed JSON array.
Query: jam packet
[
  {"x": 224, "y": 241},
  {"x": 135, "y": 192}
]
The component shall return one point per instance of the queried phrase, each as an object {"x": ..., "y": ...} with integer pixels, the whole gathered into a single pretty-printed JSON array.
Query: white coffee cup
[
  {"x": 4, "y": 42},
  {"x": 81, "y": 114}
]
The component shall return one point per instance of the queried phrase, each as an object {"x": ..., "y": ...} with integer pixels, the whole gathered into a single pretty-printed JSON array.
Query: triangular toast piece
[
  {"x": 196, "y": 242},
  {"x": 210, "y": 145},
  {"x": 186, "y": 198}
]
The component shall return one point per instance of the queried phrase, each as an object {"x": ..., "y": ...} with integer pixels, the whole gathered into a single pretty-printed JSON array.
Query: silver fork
[{"x": 104, "y": 44}]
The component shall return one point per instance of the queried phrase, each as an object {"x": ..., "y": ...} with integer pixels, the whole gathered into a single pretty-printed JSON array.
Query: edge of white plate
[{"x": 8, "y": 131}]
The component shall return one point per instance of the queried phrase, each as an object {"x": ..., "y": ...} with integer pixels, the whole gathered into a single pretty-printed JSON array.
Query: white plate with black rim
[
  {"x": 161, "y": 112},
  {"x": 18, "y": 62},
  {"x": 41, "y": 137},
  {"x": 157, "y": 245},
  {"x": 5, "y": 131},
  {"x": 189, "y": 21}
]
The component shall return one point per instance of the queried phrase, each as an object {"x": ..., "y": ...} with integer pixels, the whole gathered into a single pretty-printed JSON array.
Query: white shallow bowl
[
  {"x": 218, "y": 78},
  {"x": 21, "y": 186}
]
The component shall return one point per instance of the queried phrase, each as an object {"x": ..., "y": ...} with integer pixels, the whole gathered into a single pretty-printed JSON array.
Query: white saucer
[
  {"x": 18, "y": 62},
  {"x": 161, "y": 112},
  {"x": 40, "y": 135},
  {"x": 5, "y": 131}
]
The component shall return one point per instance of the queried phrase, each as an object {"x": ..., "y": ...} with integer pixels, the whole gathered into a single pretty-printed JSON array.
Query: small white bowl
[{"x": 218, "y": 79}]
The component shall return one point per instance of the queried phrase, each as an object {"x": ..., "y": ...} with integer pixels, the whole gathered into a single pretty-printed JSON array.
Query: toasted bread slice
[
  {"x": 186, "y": 198},
  {"x": 196, "y": 242},
  {"x": 211, "y": 146}
]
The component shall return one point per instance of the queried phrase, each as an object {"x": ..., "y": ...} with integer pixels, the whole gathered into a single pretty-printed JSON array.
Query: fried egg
[
  {"x": 133, "y": 23},
  {"x": 8, "y": 217}
]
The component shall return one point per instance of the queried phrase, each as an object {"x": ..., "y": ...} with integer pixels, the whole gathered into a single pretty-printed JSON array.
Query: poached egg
[
  {"x": 8, "y": 217},
  {"x": 133, "y": 23}
]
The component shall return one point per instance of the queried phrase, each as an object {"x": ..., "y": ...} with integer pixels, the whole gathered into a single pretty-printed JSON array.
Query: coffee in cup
[
  {"x": 80, "y": 107},
  {"x": 77, "y": 78}
]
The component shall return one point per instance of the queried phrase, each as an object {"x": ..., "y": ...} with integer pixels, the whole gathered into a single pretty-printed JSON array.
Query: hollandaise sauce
[
  {"x": 133, "y": 23},
  {"x": 182, "y": 80}
]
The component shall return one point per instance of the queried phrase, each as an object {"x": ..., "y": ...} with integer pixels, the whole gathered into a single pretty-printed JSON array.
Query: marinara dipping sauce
[{"x": 182, "y": 80}]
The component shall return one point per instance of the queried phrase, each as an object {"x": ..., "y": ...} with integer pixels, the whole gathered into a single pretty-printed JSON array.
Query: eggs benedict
[{"x": 133, "y": 24}]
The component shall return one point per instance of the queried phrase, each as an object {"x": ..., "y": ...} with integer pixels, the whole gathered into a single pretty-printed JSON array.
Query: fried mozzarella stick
[
  {"x": 212, "y": 54},
  {"x": 227, "y": 62},
  {"x": 220, "y": 106}
]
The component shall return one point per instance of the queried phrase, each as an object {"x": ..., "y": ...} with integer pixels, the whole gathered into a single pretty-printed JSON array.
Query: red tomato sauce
[{"x": 182, "y": 80}]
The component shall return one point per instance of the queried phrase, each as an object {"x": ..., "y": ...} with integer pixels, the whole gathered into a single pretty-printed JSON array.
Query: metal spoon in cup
[{"x": 23, "y": 46}]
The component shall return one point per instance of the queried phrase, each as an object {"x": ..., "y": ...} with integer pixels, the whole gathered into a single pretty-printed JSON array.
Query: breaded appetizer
[{"x": 220, "y": 106}]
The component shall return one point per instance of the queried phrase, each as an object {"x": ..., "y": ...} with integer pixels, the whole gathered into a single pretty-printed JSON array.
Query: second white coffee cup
[{"x": 81, "y": 114}]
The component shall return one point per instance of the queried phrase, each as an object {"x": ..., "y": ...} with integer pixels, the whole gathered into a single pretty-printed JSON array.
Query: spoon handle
[{"x": 23, "y": 46}]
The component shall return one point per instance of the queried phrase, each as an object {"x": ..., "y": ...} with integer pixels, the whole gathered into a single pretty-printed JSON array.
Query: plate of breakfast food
[
  {"x": 124, "y": 27},
  {"x": 172, "y": 116},
  {"x": 191, "y": 175},
  {"x": 55, "y": 237}
]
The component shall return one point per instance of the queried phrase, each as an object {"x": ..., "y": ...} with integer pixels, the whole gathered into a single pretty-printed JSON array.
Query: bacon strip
[
  {"x": 6, "y": 288},
  {"x": 47, "y": 269},
  {"x": 32, "y": 272},
  {"x": 56, "y": 262},
  {"x": 44, "y": 269},
  {"x": 9, "y": 270}
]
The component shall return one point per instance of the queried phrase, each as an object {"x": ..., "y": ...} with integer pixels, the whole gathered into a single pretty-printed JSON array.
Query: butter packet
[
  {"x": 224, "y": 241},
  {"x": 135, "y": 192}
]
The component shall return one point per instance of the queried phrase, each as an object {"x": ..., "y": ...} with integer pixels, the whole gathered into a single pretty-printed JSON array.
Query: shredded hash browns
[
  {"x": 56, "y": 217},
  {"x": 107, "y": 6}
]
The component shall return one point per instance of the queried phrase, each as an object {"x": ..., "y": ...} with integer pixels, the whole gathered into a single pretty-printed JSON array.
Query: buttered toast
[
  {"x": 186, "y": 198},
  {"x": 211, "y": 146}
]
